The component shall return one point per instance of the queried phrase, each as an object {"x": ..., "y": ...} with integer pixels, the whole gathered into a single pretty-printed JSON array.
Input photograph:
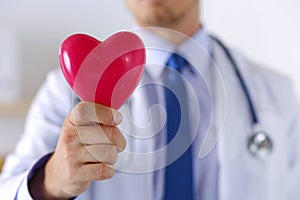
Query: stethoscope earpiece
[{"x": 260, "y": 144}]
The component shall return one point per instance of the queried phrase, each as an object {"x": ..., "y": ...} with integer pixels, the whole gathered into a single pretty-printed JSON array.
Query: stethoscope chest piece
[{"x": 260, "y": 144}]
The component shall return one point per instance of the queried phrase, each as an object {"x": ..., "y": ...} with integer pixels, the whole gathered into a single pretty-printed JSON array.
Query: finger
[
  {"x": 90, "y": 135},
  {"x": 96, "y": 171},
  {"x": 99, "y": 153},
  {"x": 86, "y": 113},
  {"x": 115, "y": 136},
  {"x": 69, "y": 136},
  {"x": 100, "y": 134}
]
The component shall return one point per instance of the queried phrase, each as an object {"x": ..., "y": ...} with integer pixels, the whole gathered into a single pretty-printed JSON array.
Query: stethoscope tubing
[
  {"x": 254, "y": 117},
  {"x": 259, "y": 143}
]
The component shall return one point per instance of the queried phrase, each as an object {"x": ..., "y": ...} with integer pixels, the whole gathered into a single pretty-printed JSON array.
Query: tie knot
[{"x": 176, "y": 62}]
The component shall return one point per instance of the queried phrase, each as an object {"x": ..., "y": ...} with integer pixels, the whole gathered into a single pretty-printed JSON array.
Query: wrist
[
  {"x": 36, "y": 185},
  {"x": 51, "y": 190},
  {"x": 36, "y": 179},
  {"x": 40, "y": 189}
]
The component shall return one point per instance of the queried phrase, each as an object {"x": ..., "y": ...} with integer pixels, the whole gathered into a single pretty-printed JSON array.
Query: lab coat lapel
[
  {"x": 270, "y": 171},
  {"x": 235, "y": 128},
  {"x": 241, "y": 175}
]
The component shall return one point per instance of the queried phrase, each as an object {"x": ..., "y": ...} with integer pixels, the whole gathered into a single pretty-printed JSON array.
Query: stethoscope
[{"x": 259, "y": 143}]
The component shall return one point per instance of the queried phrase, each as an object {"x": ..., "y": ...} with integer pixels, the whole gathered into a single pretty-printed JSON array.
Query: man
[{"x": 80, "y": 143}]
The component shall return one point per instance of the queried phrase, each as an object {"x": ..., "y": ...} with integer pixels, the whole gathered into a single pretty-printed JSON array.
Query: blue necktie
[{"x": 178, "y": 174}]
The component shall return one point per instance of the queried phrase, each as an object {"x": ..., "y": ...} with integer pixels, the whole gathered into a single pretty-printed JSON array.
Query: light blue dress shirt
[{"x": 158, "y": 52}]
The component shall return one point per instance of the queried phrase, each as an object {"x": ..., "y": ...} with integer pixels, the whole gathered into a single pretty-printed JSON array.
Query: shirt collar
[{"x": 158, "y": 50}]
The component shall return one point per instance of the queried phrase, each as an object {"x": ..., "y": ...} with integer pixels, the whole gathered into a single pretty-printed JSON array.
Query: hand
[{"x": 88, "y": 145}]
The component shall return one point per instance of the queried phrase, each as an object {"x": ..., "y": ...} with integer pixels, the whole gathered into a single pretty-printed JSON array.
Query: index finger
[{"x": 86, "y": 113}]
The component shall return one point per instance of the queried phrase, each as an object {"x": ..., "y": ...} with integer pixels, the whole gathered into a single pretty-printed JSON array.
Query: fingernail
[{"x": 117, "y": 117}]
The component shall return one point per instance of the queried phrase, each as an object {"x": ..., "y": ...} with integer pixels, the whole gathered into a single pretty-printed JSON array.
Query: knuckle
[
  {"x": 114, "y": 158},
  {"x": 69, "y": 135},
  {"x": 105, "y": 172},
  {"x": 71, "y": 157},
  {"x": 110, "y": 132},
  {"x": 115, "y": 136},
  {"x": 122, "y": 142},
  {"x": 80, "y": 108},
  {"x": 111, "y": 154},
  {"x": 80, "y": 112},
  {"x": 106, "y": 115},
  {"x": 111, "y": 173}
]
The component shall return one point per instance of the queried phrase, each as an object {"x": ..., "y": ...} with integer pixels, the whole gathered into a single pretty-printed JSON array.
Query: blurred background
[{"x": 31, "y": 31}]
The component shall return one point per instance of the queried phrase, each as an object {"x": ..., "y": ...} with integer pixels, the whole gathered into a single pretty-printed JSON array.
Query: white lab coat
[{"x": 241, "y": 175}]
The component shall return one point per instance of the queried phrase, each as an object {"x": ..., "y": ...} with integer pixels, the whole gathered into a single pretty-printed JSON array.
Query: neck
[{"x": 187, "y": 27}]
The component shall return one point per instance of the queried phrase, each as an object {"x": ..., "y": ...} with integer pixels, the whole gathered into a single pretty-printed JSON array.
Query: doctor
[{"x": 68, "y": 147}]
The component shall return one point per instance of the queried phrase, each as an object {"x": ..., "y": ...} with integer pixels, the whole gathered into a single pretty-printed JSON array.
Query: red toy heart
[{"x": 103, "y": 72}]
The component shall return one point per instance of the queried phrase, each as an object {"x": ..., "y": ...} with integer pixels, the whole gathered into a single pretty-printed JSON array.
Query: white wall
[
  {"x": 267, "y": 31},
  {"x": 41, "y": 26}
]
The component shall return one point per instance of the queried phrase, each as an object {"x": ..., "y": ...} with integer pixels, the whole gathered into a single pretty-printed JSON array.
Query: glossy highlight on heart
[{"x": 103, "y": 72}]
